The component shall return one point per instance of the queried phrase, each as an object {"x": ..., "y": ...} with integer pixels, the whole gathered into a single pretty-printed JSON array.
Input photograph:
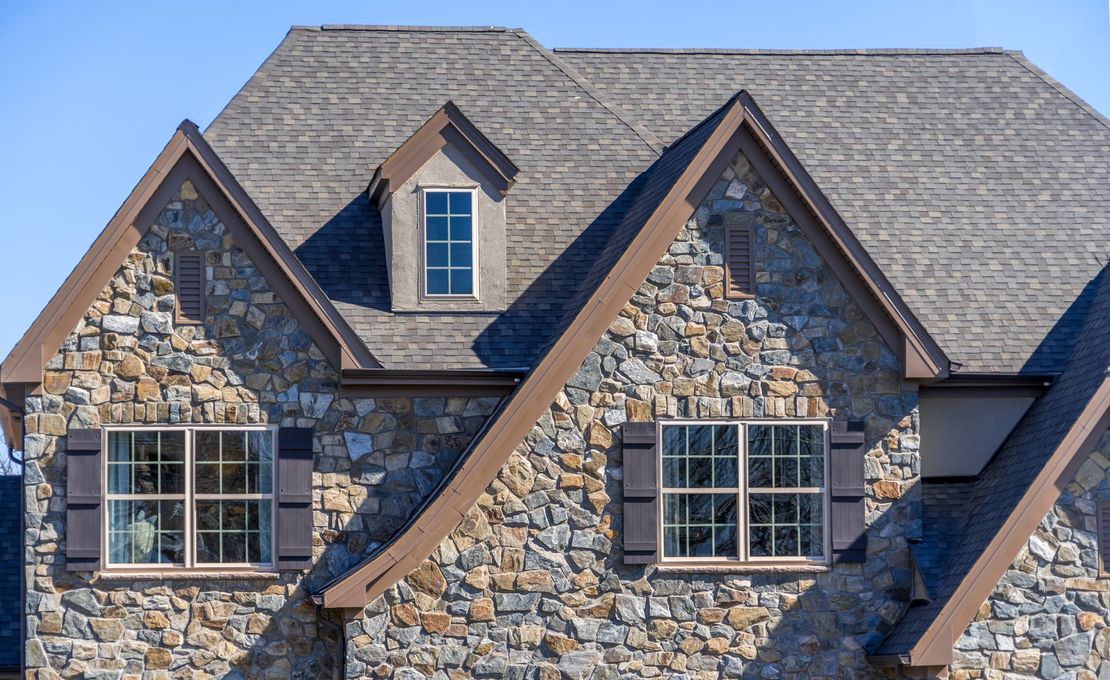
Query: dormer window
[
  {"x": 449, "y": 243},
  {"x": 442, "y": 196}
]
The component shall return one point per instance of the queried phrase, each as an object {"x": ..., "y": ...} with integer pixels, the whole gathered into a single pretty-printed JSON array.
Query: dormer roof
[{"x": 448, "y": 125}]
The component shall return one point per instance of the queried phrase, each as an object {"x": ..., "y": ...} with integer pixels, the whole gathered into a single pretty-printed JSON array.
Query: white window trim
[
  {"x": 743, "y": 558},
  {"x": 424, "y": 190},
  {"x": 191, "y": 564}
]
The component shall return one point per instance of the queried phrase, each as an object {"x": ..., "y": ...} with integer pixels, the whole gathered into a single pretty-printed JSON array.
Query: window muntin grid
[
  {"x": 448, "y": 243},
  {"x": 778, "y": 490},
  {"x": 163, "y": 485}
]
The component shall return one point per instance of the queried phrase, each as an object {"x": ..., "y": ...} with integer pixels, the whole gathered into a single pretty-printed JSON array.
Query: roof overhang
[
  {"x": 741, "y": 127},
  {"x": 447, "y": 126},
  {"x": 381, "y": 382},
  {"x": 187, "y": 156}
]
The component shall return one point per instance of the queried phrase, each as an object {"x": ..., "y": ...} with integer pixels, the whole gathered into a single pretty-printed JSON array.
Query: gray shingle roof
[
  {"x": 305, "y": 134},
  {"x": 11, "y": 553},
  {"x": 978, "y": 184},
  {"x": 1021, "y": 458}
]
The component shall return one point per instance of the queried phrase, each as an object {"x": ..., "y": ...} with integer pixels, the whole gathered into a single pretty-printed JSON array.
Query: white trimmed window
[
  {"x": 449, "y": 262},
  {"x": 189, "y": 497},
  {"x": 744, "y": 491}
]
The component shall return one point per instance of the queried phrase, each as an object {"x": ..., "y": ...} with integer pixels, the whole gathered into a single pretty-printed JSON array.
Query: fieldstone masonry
[
  {"x": 1047, "y": 618},
  {"x": 532, "y": 584},
  {"x": 251, "y": 362}
]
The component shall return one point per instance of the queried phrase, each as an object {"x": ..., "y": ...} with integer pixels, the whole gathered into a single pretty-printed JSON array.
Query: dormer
[{"x": 441, "y": 195}]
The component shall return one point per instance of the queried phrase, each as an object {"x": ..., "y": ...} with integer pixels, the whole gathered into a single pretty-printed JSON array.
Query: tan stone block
[
  {"x": 742, "y": 618},
  {"x": 711, "y": 615},
  {"x": 691, "y": 645},
  {"x": 663, "y": 629},
  {"x": 435, "y": 622},
  {"x": 56, "y": 382},
  {"x": 570, "y": 481},
  {"x": 155, "y": 620},
  {"x": 1025, "y": 660},
  {"x": 477, "y": 578},
  {"x": 536, "y": 580},
  {"x": 887, "y": 490},
  {"x": 52, "y": 424},
  {"x": 427, "y": 579},
  {"x": 504, "y": 581},
  {"x": 560, "y": 644},
  {"x": 157, "y": 658},
  {"x": 405, "y": 614},
  {"x": 148, "y": 390},
  {"x": 481, "y": 609},
  {"x": 599, "y": 609},
  {"x": 1088, "y": 620}
]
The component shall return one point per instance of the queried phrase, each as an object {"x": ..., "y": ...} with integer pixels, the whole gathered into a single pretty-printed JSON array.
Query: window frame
[
  {"x": 424, "y": 190},
  {"x": 190, "y": 500},
  {"x": 743, "y": 556}
]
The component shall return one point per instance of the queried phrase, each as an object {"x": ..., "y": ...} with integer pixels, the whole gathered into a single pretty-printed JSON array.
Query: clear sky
[{"x": 93, "y": 90}]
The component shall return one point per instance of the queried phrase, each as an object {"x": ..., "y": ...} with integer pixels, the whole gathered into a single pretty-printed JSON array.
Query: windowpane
[
  {"x": 786, "y": 524},
  {"x": 438, "y": 282},
  {"x": 700, "y": 457},
  {"x": 699, "y": 525},
  {"x": 146, "y": 462},
  {"x": 460, "y": 255},
  {"x": 436, "y": 202},
  {"x": 460, "y": 228},
  {"x": 786, "y": 456},
  {"x": 460, "y": 202},
  {"x": 233, "y": 532},
  {"x": 146, "y": 532},
  {"x": 461, "y": 283},
  {"x": 438, "y": 255}
]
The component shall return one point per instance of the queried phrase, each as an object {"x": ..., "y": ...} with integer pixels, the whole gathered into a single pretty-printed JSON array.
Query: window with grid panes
[
  {"x": 744, "y": 491},
  {"x": 190, "y": 497},
  {"x": 448, "y": 243}
]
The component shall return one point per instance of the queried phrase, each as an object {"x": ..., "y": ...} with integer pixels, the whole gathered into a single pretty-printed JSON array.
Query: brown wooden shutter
[
  {"x": 641, "y": 494},
  {"x": 739, "y": 261},
  {"x": 189, "y": 287},
  {"x": 1103, "y": 520},
  {"x": 84, "y": 500},
  {"x": 846, "y": 490},
  {"x": 294, "y": 498}
]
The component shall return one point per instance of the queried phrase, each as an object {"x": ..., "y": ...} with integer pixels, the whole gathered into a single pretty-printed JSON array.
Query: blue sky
[{"x": 94, "y": 89}]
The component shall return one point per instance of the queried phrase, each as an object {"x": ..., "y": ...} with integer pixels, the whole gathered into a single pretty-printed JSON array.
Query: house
[{"x": 443, "y": 354}]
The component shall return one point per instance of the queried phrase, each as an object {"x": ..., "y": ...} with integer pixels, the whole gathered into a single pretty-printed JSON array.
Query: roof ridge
[
  {"x": 401, "y": 27},
  {"x": 779, "y": 52},
  {"x": 641, "y": 130},
  {"x": 1019, "y": 57}
]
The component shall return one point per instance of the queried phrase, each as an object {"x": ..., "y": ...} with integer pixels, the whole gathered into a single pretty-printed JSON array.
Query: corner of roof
[
  {"x": 641, "y": 130},
  {"x": 1020, "y": 57}
]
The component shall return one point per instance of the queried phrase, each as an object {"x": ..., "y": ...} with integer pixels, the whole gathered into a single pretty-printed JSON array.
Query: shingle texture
[
  {"x": 306, "y": 133},
  {"x": 979, "y": 185},
  {"x": 11, "y": 550},
  {"x": 1012, "y": 470}
]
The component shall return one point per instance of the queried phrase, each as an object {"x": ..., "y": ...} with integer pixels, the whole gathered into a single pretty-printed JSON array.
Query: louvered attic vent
[
  {"x": 739, "y": 260},
  {"x": 189, "y": 287}
]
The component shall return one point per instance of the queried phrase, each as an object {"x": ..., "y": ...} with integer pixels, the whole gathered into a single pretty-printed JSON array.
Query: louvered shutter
[
  {"x": 294, "y": 498},
  {"x": 84, "y": 499},
  {"x": 739, "y": 267},
  {"x": 641, "y": 494},
  {"x": 1103, "y": 520},
  {"x": 846, "y": 491},
  {"x": 189, "y": 287}
]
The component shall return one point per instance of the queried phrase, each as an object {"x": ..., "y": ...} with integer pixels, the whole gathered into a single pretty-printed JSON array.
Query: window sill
[
  {"x": 188, "y": 575},
  {"x": 748, "y": 568}
]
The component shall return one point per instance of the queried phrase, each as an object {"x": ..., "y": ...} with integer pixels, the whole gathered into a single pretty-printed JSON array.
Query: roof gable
[
  {"x": 448, "y": 125},
  {"x": 187, "y": 156},
  {"x": 669, "y": 193}
]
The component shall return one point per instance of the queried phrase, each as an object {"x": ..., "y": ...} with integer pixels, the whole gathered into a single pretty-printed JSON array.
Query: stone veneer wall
[
  {"x": 1047, "y": 618},
  {"x": 251, "y": 362},
  {"x": 532, "y": 584}
]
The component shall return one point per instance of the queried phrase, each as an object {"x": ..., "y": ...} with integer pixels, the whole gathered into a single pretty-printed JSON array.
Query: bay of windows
[
  {"x": 190, "y": 497},
  {"x": 744, "y": 491}
]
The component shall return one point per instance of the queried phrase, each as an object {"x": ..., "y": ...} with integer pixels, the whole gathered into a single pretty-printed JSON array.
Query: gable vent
[
  {"x": 739, "y": 266},
  {"x": 189, "y": 287},
  {"x": 1103, "y": 521}
]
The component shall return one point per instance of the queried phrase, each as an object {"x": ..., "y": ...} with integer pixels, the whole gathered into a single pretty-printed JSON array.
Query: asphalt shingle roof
[
  {"x": 1009, "y": 474},
  {"x": 306, "y": 133},
  {"x": 978, "y": 184},
  {"x": 11, "y": 553}
]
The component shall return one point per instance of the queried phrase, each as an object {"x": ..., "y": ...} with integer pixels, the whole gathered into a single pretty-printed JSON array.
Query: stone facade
[
  {"x": 128, "y": 362},
  {"x": 532, "y": 583},
  {"x": 1048, "y": 616}
]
